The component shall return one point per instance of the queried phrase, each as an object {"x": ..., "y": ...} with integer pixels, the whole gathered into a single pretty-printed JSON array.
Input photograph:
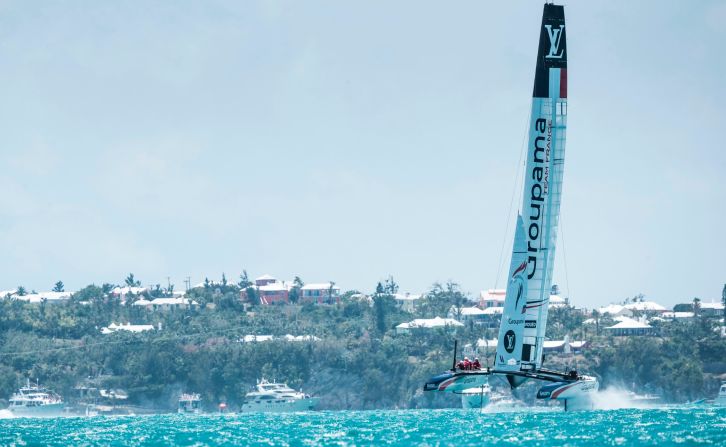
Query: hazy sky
[{"x": 348, "y": 141}]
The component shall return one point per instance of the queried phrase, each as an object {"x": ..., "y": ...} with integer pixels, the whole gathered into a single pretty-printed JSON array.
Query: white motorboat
[
  {"x": 721, "y": 398},
  {"x": 36, "y": 401},
  {"x": 190, "y": 403},
  {"x": 277, "y": 398}
]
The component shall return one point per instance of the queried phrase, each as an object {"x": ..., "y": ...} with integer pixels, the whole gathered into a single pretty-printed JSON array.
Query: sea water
[{"x": 661, "y": 427}]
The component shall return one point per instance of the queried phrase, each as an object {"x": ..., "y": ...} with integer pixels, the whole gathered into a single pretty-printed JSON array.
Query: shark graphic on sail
[{"x": 524, "y": 318}]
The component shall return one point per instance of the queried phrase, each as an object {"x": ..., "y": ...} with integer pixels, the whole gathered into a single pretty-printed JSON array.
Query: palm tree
[
  {"x": 696, "y": 306},
  {"x": 132, "y": 282},
  {"x": 58, "y": 287},
  {"x": 21, "y": 291}
]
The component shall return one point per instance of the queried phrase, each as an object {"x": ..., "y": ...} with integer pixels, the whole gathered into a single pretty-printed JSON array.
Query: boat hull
[
  {"x": 457, "y": 381},
  {"x": 576, "y": 395},
  {"x": 40, "y": 411},
  {"x": 286, "y": 406}
]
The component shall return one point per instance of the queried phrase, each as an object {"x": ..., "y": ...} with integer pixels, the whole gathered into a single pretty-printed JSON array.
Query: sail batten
[{"x": 524, "y": 320}]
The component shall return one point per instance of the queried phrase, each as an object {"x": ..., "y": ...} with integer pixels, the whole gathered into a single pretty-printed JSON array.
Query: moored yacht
[
  {"x": 277, "y": 398},
  {"x": 190, "y": 403},
  {"x": 36, "y": 401}
]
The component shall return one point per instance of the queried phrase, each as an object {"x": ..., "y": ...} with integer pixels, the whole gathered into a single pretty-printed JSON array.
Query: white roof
[
  {"x": 171, "y": 301},
  {"x": 253, "y": 338},
  {"x": 484, "y": 343},
  {"x": 319, "y": 286},
  {"x": 678, "y": 314},
  {"x": 125, "y": 290},
  {"x": 646, "y": 305},
  {"x": 629, "y": 323},
  {"x": 407, "y": 296},
  {"x": 711, "y": 305},
  {"x": 141, "y": 302},
  {"x": 552, "y": 344},
  {"x": 589, "y": 321},
  {"x": 493, "y": 295},
  {"x": 266, "y": 277},
  {"x": 127, "y": 327},
  {"x": 469, "y": 311},
  {"x": 289, "y": 337},
  {"x": 557, "y": 301},
  {"x": 612, "y": 309},
  {"x": 493, "y": 311},
  {"x": 273, "y": 287},
  {"x": 49, "y": 296},
  {"x": 429, "y": 323},
  {"x": 5, "y": 293}
]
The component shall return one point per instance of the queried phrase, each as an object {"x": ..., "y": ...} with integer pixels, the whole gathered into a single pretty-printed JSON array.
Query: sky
[{"x": 350, "y": 141}]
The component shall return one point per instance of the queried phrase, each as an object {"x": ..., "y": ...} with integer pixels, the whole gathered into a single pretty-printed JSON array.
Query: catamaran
[{"x": 524, "y": 318}]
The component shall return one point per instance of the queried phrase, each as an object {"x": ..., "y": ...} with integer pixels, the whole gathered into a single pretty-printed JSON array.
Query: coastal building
[
  {"x": 677, "y": 316},
  {"x": 711, "y": 309},
  {"x": 465, "y": 314},
  {"x": 47, "y": 297},
  {"x": 628, "y": 327},
  {"x": 492, "y": 298},
  {"x": 143, "y": 302},
  {"x": 645, "y": 307},
  {"x": 265, "y": 280},
  {"x": 407, "y": 301},
  {"x": 273, "y": 292},
  {"x": 122, "y": 293},
  {"x": 422, "y": 324},
  {"x": 320, "y": 293},
  {"x": 113, "y": 327},
  {"x": 615, "y": 310},
  {"x": 172, "y": 303}
]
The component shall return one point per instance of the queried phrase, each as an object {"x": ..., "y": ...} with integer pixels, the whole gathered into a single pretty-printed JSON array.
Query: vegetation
[{"x": 358, "y": 362}]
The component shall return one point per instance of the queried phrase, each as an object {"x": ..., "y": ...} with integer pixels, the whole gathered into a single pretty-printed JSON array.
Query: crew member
[
  {"x": 467, "y": 363},
  {"x": 475, "y": 364}
]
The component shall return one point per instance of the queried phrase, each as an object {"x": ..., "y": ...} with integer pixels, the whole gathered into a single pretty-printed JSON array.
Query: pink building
[
  {"x": 274, "y": 293},
  {"x": 492, "y": 298}
]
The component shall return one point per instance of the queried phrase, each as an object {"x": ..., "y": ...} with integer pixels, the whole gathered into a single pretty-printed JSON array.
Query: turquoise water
[{"x": 673, "y": 426}]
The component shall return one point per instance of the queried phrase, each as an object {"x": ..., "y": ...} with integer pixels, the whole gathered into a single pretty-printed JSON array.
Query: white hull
[
  {"x": 41, "y": 411},
  {"x": 284, "y": 406},
  {"x": 577, "y": 395}
]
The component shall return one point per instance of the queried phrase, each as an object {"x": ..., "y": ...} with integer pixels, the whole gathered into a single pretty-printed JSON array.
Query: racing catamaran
[{"x": 524, "y": 318}]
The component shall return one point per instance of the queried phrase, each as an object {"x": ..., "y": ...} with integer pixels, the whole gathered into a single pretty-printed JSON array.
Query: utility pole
[{"x": 187, "y": 282}]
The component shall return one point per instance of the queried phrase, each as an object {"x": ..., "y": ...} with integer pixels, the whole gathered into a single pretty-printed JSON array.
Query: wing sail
[{"x": 536, "y": 231}]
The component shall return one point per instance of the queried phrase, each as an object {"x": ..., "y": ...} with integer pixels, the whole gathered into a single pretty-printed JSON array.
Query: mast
[{"x": 524, "y": 320}]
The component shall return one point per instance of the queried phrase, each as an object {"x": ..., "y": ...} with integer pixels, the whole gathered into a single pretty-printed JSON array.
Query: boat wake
[
  {"x": 6, "y": 414},
  {"x": 617, "y": 398}
]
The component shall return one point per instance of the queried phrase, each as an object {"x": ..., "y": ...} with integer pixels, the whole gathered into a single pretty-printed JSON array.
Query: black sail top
[{"x": 552, "y": 52}]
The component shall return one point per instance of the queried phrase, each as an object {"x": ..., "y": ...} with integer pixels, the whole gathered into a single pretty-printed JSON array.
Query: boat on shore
[
  {"x": 36, "y": 401},
  {"x": 273, "y": 397}
]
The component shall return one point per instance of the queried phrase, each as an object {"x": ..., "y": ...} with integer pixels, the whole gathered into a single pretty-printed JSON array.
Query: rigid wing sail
[{"x": 524, "y": 317}]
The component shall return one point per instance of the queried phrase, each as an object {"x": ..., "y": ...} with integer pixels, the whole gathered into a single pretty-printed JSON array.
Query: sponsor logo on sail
[
  {"x": 555, "y": 36},
  {"x": 531, "y": 324},
  {"x": 510, "y": 340}
]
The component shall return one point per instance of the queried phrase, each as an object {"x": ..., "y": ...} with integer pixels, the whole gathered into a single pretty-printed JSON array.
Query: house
[
  {"x": 273, "y": 292},
  {"x": 468, "y": 314},
  {"x": 321, "y": 293},
  {"x": 615, "y": 310},
  {"x": 407, "y": 301},
  {"x": 126, "y": 327},
  {"x": 678, "y": 316},
  {"x": 712, "y": 309},
  {"x": 557, "y": 301},
  {"x": 122, "y": 292},
  {"x": 628, "y": 326},
  {"x": 172, "y": 303},
  {"x": 48, "y": 297},
  {"x": 427, "y": 324},
  {"x": 143, "y": 302},
  {"x": 646, "y": 306},
  {"x": 265, "y": 280},
  {"x": 492, "y": 298}
]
